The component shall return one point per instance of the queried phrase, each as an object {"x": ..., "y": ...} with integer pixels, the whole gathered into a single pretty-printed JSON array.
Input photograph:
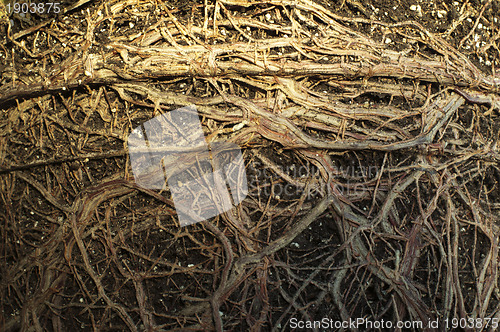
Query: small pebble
[{"x": 441, "y": 13}]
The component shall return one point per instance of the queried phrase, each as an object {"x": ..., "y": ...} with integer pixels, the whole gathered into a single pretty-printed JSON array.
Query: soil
[{"x": 324, "y": 236}]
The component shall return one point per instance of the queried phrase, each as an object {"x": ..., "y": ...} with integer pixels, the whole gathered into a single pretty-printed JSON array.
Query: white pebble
[
  {"x": 240, "y": 125},
  {"x": 441, "y": 13}
]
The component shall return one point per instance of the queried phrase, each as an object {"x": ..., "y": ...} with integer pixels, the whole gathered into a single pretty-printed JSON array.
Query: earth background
[{"x": 83, "y": 248}]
